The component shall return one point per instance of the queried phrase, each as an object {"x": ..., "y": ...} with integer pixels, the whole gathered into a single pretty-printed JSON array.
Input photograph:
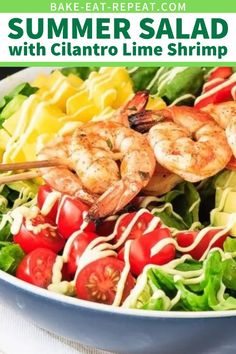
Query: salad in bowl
[{"x": 118, "y": 186}]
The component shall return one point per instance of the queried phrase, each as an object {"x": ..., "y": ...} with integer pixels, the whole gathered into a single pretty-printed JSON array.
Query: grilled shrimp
[
  {"x": 62, "y": 178},
  {"x": 186, "y": 141},
  {"x": 89, "y": 159},
  {"x": 94, "y": 149},
  {"x": 225, "y": 115}
]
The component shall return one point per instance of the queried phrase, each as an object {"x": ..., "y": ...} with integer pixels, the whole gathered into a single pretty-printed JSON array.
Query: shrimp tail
[
  {"x": 145, "y": 120},
  {"x": 115, "y": 198},
  {"x": 138, "y": 102}
]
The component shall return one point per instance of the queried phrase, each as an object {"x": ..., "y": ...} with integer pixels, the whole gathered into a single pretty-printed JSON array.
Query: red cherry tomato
[
  {"x": 209, "y": 85},
  {"x": 47, "y": 237},
  {"x": 185, "y": 239},
  {"x": 70, "y": 216},
  {"x": 106, "y": 227},
  {"x": 140, "y": 250},
  {"x": 222, "y": 72},
  {"x": 97, "y": 281},
  {"x": 77, "y": 248},
  {"x": 221, "y": 93},
  {"x": 138, "y": 228},
  {"x": 36, "y": 267},
  {"x": 43, "y": 193}
]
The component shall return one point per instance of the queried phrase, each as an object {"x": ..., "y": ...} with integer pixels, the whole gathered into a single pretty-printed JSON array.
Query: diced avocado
[
  {"x": 218, "y": 197},
  {"x": 226, "y": 199},
  {"x": 230, "y": 202},
  {"x": 226, "y": 179},
  {"x": 221, "y": 218},
  {"x": 13, "y": 106}
]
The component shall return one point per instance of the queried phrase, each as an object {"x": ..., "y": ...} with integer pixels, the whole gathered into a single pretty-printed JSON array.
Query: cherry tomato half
[
  {"x": 138, "y": 228},
  {"x": 97, "y": 281},
  {"x": 185, "y": 239},
  {"x": 36, "y": 267},
  {"x": 47, "y": 237},
  {"x": 222, "y": 72},
  {"x": 43, "y": 193},
  {"x": 70, "y": 216},
  {"x": 140, "y": 250},
  {"x": 77, "y": 248},
  {"x": 106, "y": 227}
]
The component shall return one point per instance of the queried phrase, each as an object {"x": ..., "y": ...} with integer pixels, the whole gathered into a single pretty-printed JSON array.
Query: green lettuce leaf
[
  {"x": 142, "y": 77},
  {"x": 228, "y": 304},
  {"x": 24, "y": 89},
  {"x": 173, "y": 83},
  {"x": 178, "y": 208},
  {"x": 5, "y": 232},
  {"x": 10, "y": 257},
  {"x": 213, "y": 272}
]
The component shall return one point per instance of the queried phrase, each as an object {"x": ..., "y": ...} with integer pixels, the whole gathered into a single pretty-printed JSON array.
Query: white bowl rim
[
  {"x": 67, "y": 300},
  {"x": 5, "y": 86}
]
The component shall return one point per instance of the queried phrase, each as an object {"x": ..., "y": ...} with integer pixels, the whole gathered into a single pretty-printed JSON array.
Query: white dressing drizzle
[
  {"x": 49, "y": 202},
  {"x": 56, "y": 270},
  {"x": 175, "y": 299},
  {"x": 18, "y": 215},
  {"x": 213, "y": 81},
  {"x": 123, "y": 276},
  {"x": 162, "y": 244},
  {"x": 152, "y": 225},
  {"x": 182, "y": 98},
  {"x": 216, "y": 89}
]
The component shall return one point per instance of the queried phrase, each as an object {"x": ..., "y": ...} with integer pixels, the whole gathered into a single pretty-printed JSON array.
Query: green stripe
[
  {"x": 207, "y": 6},
  {"x": 131, "y": 64}
]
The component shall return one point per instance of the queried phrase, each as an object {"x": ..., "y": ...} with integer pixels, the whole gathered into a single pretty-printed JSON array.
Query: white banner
[{"x": 111, "y": 49}]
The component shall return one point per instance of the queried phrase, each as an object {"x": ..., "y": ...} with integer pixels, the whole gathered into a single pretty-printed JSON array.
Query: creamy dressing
[
  {"x": 56, "y": 270},
  {"x": 123, "y": 276},
  {"x": 213, "y": 81},
  {"x": 19, "y": 214},
  {"x": 36, "y": 229},
  {"x": 161, "y": 244},
  {"x": 175, "y": 299},
  {"x": 60, "y": 206},
  {"x": 216, "y": 89},
  {"x": 49, "y": 202},
  {"x": 182, "y": 98},
  {"x": 169, "y": 76},
  {"x": 152, "y": 225},
  {"x": 220, "y": 294}
]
